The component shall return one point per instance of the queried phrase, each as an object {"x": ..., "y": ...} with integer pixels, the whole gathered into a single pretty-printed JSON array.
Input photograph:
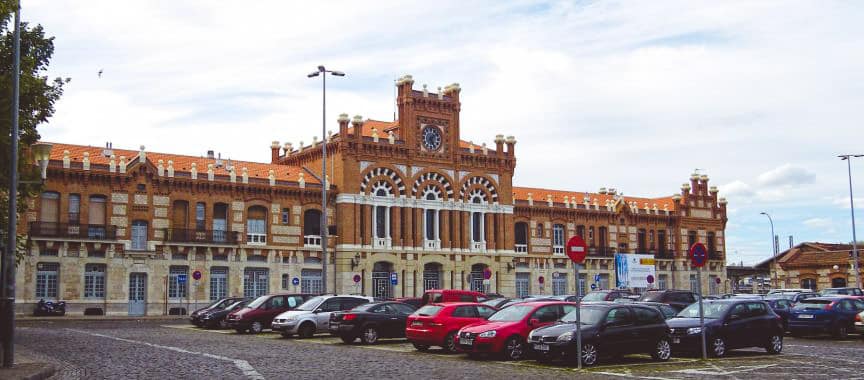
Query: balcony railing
[
  {"x": 432, "y": 245},
  {"x": 521, "y": 248},
  {"x": 184, "y": 235},
  {"x": 558, "y": 250},
  {"x": 256, "y": 239},
  {"x": 73, "y": 231},
  {"x": 312, "y": 241},
  {"x": 381, "y": 242},
  {"x": 478, "y": 245}
]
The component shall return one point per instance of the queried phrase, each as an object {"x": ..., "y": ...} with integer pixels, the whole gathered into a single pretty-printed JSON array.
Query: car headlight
[
  {"x": 487, "y": 334},
  {"x": 565, "y": 337},
  {"x": 206, "y": 316},
  {"x": 694, "y": 330},
  {"x": 531, "y": 335}
]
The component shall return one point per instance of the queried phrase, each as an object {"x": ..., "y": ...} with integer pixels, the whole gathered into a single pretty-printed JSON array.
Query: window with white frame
[
  {"x": 559, "y": 284},
  {"x": 521, "y": 237},
  {"x": 558, "y": 239},
  {"x": 218, "y": 283},
  {"x": 694, "y": 284},
  {"x": 662, "y": 280},
  {"x": 478, "y": 236},
  {"x": 311, "y": 281},
  {"x": 94, "y": 281},
  {"x": 431, "y": 218},
  {"x": 47, "y": 275},
  {"x": 255, "y": 282},
  {"x": 312, "y": 227},
  {"x": 256, "y": 225},
  {"x": 139, "y": 235},
  {"x": 178, "y": 281},
  {"x": 523, "y": 285}
]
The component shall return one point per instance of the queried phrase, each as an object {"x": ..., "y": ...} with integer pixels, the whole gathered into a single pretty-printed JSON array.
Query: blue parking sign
[
  {"x": 181, "y": 278},
  {"x": 597, "y": 278},
  {"x": 394, "y": 278}
]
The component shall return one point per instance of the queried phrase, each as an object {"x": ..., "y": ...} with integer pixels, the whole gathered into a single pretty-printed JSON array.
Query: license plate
[
  {"x": 416, "y": 323},
  {"x": 541, "y": 347},
  {"x": 676, "y": 340},
  {"x": 334, "y": 326},
  {"x": 805, "y": 316},
  {"x": 466, "y": 341}
]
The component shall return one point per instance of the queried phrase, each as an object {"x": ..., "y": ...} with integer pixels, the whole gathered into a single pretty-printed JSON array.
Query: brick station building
[{"x": 118, "y": 230}]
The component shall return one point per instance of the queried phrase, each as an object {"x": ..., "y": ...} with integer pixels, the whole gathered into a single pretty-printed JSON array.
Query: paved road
[{"x": 160, "y": 349}]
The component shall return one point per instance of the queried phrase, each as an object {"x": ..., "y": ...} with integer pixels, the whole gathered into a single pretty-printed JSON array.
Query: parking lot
[{"x": 162, "y": 349}]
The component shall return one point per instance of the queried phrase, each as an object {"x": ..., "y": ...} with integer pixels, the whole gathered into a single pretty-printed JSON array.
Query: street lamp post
[
  {"x": 323, "y": 73},
  {"x": 773, "y": 248},
  {"x": 848, "y": 159}
]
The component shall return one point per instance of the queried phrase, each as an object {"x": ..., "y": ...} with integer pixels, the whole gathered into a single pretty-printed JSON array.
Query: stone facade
[
  {"x": 813, "y": 265},
  {"x": 407, "y": 199}
]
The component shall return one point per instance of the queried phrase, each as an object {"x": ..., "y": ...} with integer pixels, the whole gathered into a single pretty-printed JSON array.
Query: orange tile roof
[
  {"x": 182, "y": 163},
  {"x": 539, "y": 195}
]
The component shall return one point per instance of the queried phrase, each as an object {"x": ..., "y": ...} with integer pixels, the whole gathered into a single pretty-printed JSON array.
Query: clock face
[{"x": 431, "y": 138}]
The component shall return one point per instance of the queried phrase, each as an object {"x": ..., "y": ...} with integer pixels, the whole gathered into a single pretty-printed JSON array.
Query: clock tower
[{"x": 429, "y": 121}]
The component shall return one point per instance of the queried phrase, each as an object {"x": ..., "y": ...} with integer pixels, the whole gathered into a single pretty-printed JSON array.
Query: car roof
[
  {"x": 453, "y": 304},
  {"x": 827, "y": 298}
]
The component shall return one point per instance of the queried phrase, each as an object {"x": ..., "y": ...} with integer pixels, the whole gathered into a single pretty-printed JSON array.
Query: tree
[{"x": 38, "y": 94}]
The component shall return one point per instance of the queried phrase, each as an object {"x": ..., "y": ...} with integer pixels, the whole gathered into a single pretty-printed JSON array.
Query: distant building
[
  {"x": 412, "y": 207},
  {"x": 813, "y": 265}
]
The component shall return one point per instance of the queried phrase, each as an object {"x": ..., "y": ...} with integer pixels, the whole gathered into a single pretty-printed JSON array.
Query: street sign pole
[
  {"x": 578, "y": 319},
  {"x": 701, "y": 312}
]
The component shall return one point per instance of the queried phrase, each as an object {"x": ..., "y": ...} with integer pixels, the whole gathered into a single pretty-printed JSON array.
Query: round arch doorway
[{"x": 381, "y": 286}]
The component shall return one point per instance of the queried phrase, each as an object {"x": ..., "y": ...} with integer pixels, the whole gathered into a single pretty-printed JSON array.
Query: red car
[
  {"x": 436, "y": 324},
  {"x": 451, "y": 295},
  {"x": 506, "y": 331}
]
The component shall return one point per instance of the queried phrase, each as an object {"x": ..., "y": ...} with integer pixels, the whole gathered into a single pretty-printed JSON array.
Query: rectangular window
[
  {"x": 286, "y": 216},
  {"x": 94, "y": 281},
  {"x": 662, "y": 281},
  {"x": 523, "y": 285},
  {"x": 558, "y": 239},
  {"x": 712, "y": 285},
  {"x": 74, "y": 216},
  {"x": 310, "y": 281},
  {"x": 559, "y": 284},
  {"x": 255, "y": 282},
  {"x": 661, "y": 242},
  {"x": 580, "y": 231},
  {"x": 178, "y": 282},
  {"x": 693, "y": 283},
  {"x": 200, "y": 216},
  {"x": 256, "y": 226},
  {"x": 218, "y": 283},
  {"x": 96, "y": 217},
  {"x": 641, "y": 241},
  {"x": 691, "y": 239},
  {"x": 46, "y": 280},
  {"x": 139, "y": 235},
  {"x": 220, "y": 222},
  {"x": 50, "y": 207},
  {"x": 711, "y": 246}
]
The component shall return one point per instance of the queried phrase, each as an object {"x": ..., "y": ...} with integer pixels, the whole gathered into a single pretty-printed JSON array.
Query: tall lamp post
[
  {"x": 848, "y": 159},
  {"x": 323, "y": 73},
  {"x": 773, "y": 248}
]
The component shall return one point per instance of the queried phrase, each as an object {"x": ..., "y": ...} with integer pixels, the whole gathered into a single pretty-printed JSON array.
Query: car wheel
[
  {"x": 223, "y": 324},
  {"x": 718, "y": 347},
  {"x": 775, "y": 344},
  {"x": 369, "y": 335},
  {"x": 306, "y": 330},
  {"x": 514, "y": 349},
  {"x": 420, "y": 347},
  {"x": 662, "y": 350},
  {"x": 589, "y": 354},
  {"x": 841, "y": 332},
  {"x": 347, "y": 339},
  {"x": 256, "y": 328},
  {"x": 450, "y": 342}
]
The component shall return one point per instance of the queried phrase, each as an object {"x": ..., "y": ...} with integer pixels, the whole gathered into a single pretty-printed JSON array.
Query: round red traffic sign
[
  {"x": 196, "y": 275},
  {"x": 541, "y": 280},
  {"x": 487, "y": 274},
  {"x": 698, "y": 255},
  {"x": 356, "y": 278},
  {"x": 576, "y": 249},
  {"x": 718, "y": 280},
  {"x": 650, "y": 279}
]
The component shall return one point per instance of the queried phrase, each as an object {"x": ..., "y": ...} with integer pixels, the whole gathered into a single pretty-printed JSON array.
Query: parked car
[
  {"x": 506, "y": 332},
  {"x": 451, "y": 295},
  {"x": 834, "y": 315},
  {"x": 781, "y": 307},
  {"x": 679, "y": 299},
  {"x": 605, "y": 295},
  {"x": 217, "y": 318},
  {"x": 794, "y": 297},
  {"x": 790, "y": 290},
  {"x": 314, "y": 315},
  {"x": 371, "y": 322},
  {"x": 859, "y": 323},
  {"x": 729, "y": 324},
  {"x": 608, "y": 329},
  {"x": 497, "y": 302},
  {"x": 195, "y": 317},
  {"x": 413, "y": 301},
  {"x": 259, "y": 314},
  {"x": 437, "y": 324},
  {"x": 524, "y": 300},
  {"x": 841, "y": 292},
  {"x": 665, "y": 309},
  {"x": 571, "y": 298}
]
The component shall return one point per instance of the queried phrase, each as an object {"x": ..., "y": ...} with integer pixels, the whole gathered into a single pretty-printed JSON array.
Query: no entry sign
[
  {"x": 576, "y": 249},
  {"x": 698, "y": 255}
]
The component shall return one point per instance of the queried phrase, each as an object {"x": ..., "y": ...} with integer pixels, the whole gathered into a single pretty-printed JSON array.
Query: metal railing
[
  {"x": 312, "y": 241},
  {"x": 73, "y": 231},
  {"x": 433, "y": 245},
  {"x": 521, "y": 248},
  {"x": 185, "y": 235}
]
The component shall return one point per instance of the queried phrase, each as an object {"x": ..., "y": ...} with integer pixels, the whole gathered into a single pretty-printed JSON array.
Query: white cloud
[
  {"x": 786, "y": 174},
  {"x": 818, "y": 222}
]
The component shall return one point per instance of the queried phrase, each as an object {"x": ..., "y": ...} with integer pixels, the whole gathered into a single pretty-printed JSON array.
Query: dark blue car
[
  {"x": 821, "y": 315},
  {"x": 781, "y": 307}
]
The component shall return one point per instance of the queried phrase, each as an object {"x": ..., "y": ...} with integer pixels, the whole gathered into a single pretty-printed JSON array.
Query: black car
[
  {"x": 729, "y": 324},
  {"x": 371, "y": 321},
  {"x": 605, "y": 295},
  {"x": 781, "y": 307},
  {"x": 794, "y": 297},
  {"x": 679, "y": 299},
  {"x": 665, "y": 309},
  {"x": 217, "y": 318},
  {"x": 608, "y": 329},
  {"x": 195, "y": 317}
]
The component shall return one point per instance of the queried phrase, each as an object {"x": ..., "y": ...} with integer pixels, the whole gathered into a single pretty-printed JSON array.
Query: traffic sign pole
[
  {"x": 698, "y": 257},
  {"x": 576, "y": 250}
]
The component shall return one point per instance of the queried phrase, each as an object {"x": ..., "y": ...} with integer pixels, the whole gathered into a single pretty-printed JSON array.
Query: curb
[
  {"x": 45, "y": 372},
  {"x": 40, "y": 371}
]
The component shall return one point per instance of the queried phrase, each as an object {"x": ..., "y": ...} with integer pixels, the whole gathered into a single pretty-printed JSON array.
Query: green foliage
[{"x": 38, "y": 94}]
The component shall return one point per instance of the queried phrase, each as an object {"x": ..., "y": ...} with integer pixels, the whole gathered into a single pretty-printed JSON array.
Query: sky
[{"x": 761, "y": 96}]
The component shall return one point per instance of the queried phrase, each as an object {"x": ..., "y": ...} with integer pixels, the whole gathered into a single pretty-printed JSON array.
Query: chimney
[
  {"x": 499, "y": 144},
  {"x": 343, "y": 126},
  {"x": 694, "y": 182},
  {"x": 274, "y": 152},
  {"x": 425, "y": 91},
  {"x": 357, "y": 123},
  {"x": 288, "y": 148},
  {"x": 453, "y": 91},
  {"x": 218, "y": 161},
  {"x": 511, "y": 143},
  {"x": 107, "y": 152},
  {"x": 211, "y": 155},
  {"x": 142, "y": 156}
]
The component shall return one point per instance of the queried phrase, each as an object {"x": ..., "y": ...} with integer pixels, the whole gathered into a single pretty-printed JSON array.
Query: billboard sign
[{"x": 633, "y": 271}]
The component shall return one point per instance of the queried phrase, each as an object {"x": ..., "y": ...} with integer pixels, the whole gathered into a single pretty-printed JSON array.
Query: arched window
[
  {"x": 312, "y": 227},
  {"x": 478, "y": 235},
  {"x": 256, "y": 225},
  {"x": 432, "y": 276},
  {"x": 521, "y": 237}
]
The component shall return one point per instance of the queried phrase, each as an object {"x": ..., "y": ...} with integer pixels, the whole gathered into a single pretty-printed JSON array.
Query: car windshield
[
  {"x": 833, "y": 291},
  {"x": 428, "y": 310},
  {"x": 512, "y": 313},
  {"x": 235, "y": 305},
  {"x": 652, "y": 297},
  {"x": 594, "y": 296},
  {"x": 781, "y": 296},
  {"x": 711, "y": 310},
  {"x": 257, "y": 302},
  {"x": 310, "y": 304},
  {"x": 218, "y": 304},
  {"x": 365, "y": 306},
  {"x": 811, "y": 305},
  {"x": 492, "y": 302},
  {"x": 587, "y": 315}
]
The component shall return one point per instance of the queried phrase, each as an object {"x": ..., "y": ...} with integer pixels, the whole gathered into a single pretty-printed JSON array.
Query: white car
[{"x": 314, "y": 315}]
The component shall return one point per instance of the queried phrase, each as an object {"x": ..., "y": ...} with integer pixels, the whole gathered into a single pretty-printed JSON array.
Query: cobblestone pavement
[{"x": 160, "y": 349}]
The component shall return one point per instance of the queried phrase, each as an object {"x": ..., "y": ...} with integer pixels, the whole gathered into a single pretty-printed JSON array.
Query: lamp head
[
  {"x": 337, "y": 73},
  {"x": 42, "y": 154},
  {"x": 313, "y": 74}
]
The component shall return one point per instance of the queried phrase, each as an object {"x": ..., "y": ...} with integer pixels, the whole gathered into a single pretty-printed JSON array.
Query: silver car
[{"x": 314, "y": 315}]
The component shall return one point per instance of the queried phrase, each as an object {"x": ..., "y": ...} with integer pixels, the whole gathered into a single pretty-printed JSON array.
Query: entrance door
[
  {"x": 137, "y": 294},
  {"x": 381, "y": 286},
  {"x": 523, "y": 285}
]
